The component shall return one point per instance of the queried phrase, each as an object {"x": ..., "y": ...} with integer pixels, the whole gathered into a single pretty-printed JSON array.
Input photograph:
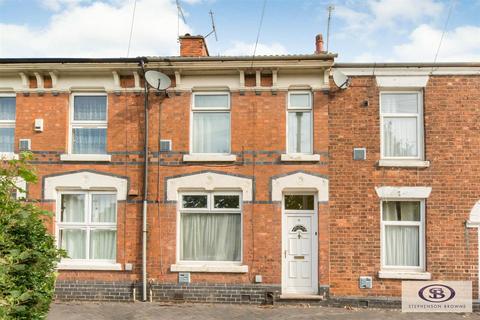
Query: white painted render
[
  {"x": 474, "y": 218},
  {"x": 209, "y": 181},
  {"x": 407, "y": 163},
  {"x": 300, "y": 182},
  {"x": 403, "y": 192},
  {"x": 300, "y": 157},
  {"x": 84, "y": 180},
  {"x": 407, "y": 81}
]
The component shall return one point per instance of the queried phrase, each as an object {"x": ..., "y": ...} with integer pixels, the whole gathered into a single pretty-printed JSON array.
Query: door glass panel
[{"x": 299, "y": 202}]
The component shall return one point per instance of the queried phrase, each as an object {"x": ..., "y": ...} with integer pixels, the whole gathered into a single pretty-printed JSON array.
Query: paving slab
[{"x": 147, "y": 311}]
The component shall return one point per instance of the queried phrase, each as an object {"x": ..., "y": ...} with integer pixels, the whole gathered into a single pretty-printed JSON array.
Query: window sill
[
  {"x": 89, "y": 266},
  {"x": 406, "y": 275},
  {"x": 209, "y": 157},
  {"x": 8, "y": 156},
  {"x": 300, "y": 157},
  {"x": 208, "y": 268},
  {"x": 86, "y": 157},
  {"x": 404, "y": 163}
]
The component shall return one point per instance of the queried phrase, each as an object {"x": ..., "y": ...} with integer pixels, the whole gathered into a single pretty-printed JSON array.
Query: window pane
[
  {"x": 211, "y": 132},
  {"x": 217, "y": 101},
  {"x": 300, "y": 100},
  {"x": 399, "y": 102},
  {"x": 7, "y": 108},
  {"x": 194, "y": 201},
  {"x": 103, "y": 244},
  {"x": 210, "y": 237},
  {"x": 74, "y": 242},
  {"x": 299, "y": 202},
  {"x": 402, "y": 246},
  {"x": 226, "y": 201},
  {"x": 90, "y": 108},
  {"x": 73, "y": 208},
  {"x": 400, "y": 137},
  {"x": 89, "y": 141},
  {"x": 7, "y": 139},
  {"x": 104, "y": 208},
  {"x": 299, "y": 132},
  {"x": 401, "y": 210}
]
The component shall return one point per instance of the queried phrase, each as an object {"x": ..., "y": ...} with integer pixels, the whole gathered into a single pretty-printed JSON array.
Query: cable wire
[
  {"x": 258, "y": 32},
  {"x": 131, "y": 27},
  {"x": 444, "y": 30}
]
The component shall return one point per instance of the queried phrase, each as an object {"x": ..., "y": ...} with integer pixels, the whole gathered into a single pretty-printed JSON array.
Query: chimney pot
[
  {"x": 319, "y": 44},
  {"x": 193, "y": 46}
]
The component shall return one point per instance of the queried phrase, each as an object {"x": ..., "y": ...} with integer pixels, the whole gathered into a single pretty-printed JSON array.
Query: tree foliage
[{"x": 28, "y": 254}]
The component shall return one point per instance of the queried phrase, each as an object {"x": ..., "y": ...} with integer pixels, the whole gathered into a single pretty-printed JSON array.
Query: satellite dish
[
  {"x": 157, "y": 80},
  {"x": 340, "y": 79}
]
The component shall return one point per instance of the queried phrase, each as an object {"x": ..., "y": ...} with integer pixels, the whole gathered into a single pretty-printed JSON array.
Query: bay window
[
  {"x": 403, "y": 242},
  {"x": 210, "y": 227},
  {"x": 401, "y": 121},
  {"x": 87, "y": 226},
  {"x": 7, "y": 123},
  {"x": 210, "y": 132},
  {"x": 299, "y": 122},
  {"x": 89, "y": 124}
]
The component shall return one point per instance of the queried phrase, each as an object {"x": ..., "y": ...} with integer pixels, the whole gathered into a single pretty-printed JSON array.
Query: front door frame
[{"x": 314, "y": 244}]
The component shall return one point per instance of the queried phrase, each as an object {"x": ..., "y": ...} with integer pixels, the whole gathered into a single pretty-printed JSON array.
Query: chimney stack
[
  {"x": 319, "y": 44},
  {"x": 193, "y": 46}
]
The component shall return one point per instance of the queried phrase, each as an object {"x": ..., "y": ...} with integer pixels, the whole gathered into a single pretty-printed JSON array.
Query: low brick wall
[
  {"x": 95, "y": 291},
  {"x": 172, "y": 292}
]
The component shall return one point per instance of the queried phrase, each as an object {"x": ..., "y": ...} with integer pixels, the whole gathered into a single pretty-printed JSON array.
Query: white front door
[{"x": 299, "y": 267}]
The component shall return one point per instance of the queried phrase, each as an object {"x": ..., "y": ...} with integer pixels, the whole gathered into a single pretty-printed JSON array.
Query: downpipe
[{"x": 145, "y": 193}]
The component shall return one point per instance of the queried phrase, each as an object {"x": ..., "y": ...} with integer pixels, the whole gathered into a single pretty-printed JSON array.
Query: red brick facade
[{"x": 348, "y": 224}]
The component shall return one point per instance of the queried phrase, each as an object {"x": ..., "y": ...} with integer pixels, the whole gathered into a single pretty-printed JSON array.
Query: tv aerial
[
  {"x": 180, "y": 15},
  {"x": 157, "y": 80},
  {"x": 340, "y": 79},
  {"x": 214, "y": 30}
]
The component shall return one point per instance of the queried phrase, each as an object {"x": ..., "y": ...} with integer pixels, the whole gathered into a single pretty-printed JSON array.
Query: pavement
[{"x": 147, "y": 311}]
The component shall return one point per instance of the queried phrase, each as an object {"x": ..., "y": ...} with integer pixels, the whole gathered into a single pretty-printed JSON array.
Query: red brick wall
[
  {"x": 258, "y": 124},
  {"x": 452, "y": 139}
]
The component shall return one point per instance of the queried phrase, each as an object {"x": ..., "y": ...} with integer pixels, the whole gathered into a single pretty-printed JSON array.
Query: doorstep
[{"x": 300, "y": 296}]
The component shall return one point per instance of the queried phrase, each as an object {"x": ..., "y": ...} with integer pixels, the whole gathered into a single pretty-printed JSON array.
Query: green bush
[{"x": 28, "y": 254}]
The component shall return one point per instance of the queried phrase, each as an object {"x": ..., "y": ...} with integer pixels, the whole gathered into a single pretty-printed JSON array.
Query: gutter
[{"x": 405, "y": 64}]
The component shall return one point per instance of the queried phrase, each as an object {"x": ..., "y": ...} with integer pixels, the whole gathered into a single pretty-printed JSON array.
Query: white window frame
[
  {"x": 9, "y": 124},
  {"x": 68, "y": 263},
  {"x": 421, "y": 236},
  {"x": 75, "y": 124},
  {"x": 209, "y": 210},
  {"x": 418, "y": 116},
  {"x": 193, "y": 109},
  {"x": 293, "y": 109}
]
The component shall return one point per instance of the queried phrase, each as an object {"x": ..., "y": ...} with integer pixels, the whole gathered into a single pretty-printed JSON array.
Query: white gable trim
[
  {"x": 402, "y": 81},
  {"x": 84, "y": 180},
  {"x": 209, "y": 181},
  {"x": 403, "y": 192},
  {"x": 300, "y": 182},
  {"x": 474, "y": 219}
]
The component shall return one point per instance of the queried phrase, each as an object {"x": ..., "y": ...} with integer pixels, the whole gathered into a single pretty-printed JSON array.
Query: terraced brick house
[{"x": 253, "y": 180}]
